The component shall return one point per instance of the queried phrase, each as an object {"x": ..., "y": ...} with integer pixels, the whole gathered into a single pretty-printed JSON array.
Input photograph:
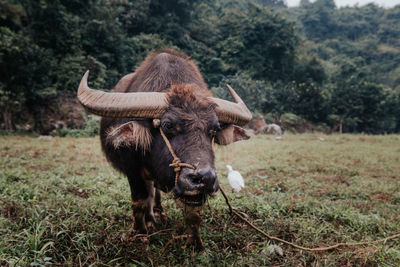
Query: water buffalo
[
  {"x": 165, "y": 94},
  {"x": 259, "y": 126}
]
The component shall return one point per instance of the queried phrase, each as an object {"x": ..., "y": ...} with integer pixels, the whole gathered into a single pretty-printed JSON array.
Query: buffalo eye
[
  {"x": 212, "y": 133},
  {"x": 167, "y": 125},
  {"x": 214, "y": 130}
]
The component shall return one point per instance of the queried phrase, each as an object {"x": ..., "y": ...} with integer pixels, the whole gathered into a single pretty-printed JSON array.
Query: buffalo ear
[
  {"x": 130, "y": 134},
  {"x": 231, "y": 134}
]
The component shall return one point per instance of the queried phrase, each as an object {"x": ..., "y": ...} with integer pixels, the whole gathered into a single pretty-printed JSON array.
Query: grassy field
[{"x": 61, "y": 203}]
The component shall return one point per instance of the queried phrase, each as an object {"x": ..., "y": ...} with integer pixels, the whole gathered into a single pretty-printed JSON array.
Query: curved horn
[
  {"x": 121, "y": 105},
  {"x": 229, "y": 112}
]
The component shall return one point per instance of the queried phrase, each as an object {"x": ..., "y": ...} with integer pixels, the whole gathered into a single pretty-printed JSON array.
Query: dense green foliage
[
  {"x": 358, "y": 48},
  {"x": 325, "y": 64}
]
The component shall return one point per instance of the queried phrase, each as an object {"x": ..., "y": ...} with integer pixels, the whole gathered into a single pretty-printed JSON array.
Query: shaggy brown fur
[
  {"x": 130, "y": 134},
  {"x": 187, "y": 96},
  {"x": 162, "y": 69},
  {"x": 192, "y": 106}
]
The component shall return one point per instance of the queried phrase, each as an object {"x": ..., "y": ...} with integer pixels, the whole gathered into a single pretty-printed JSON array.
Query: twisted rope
[{"x": 177, "y": 164}]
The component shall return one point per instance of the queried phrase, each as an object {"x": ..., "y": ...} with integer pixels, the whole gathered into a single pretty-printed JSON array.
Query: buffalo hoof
[
  {"x": 150, "y": 226},
  {"x": 196, "y": 243},
  {"x": 145, "y": 241},
  {"x": 161, "y": 217}
]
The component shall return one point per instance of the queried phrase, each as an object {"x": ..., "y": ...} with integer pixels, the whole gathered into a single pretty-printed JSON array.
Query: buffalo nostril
[
  {"x": 195, "y": 178},
  {"x": 207, "y": 173},
  {"x": 208, "y": 177}
]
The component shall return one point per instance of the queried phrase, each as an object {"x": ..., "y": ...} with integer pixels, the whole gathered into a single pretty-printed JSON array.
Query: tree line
[{"x": 333, "y": 68}]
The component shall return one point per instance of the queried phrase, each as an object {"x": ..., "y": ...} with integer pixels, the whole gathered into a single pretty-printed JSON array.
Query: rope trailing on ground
[{"x": 232, "y": 210}]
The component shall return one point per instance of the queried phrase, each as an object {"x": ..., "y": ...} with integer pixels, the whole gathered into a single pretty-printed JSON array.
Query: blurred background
[{"x": 313, "y": 66}]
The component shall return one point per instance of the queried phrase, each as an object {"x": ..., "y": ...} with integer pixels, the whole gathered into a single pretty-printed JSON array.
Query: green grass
[{"x": 60, "y": 199}]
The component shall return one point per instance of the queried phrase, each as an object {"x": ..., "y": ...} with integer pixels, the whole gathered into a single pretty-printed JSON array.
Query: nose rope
[{"x": 177, "y": 164}]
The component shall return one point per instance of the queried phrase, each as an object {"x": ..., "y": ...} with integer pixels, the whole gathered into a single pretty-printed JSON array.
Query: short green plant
[{"x": 61, "y": 203}]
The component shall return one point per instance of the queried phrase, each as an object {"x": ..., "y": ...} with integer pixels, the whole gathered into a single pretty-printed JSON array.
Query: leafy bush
[
  {"x": 90, "y": 129},
  {"x": 253, "y": 92},
  {"x": 322, "y": 127},
  {"x": 291, "y": 122}
]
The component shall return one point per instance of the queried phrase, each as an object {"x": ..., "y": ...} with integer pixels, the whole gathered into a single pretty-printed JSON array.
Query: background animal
[
  {"x": 259, "y": 126},
  {"x": 166, "y": 93}
]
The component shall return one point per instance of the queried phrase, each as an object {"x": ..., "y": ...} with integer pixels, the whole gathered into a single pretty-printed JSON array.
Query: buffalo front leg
[
  {"x": 193, "y": 221},
  {"x": 138, "y": 212},
  {"x": 142, "y": 195},
  {"x": 150, "y": 202},
  {"x": 158, "y": 209}
]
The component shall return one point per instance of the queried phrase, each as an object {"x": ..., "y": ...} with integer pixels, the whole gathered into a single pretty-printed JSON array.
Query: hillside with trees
[{"x": 334, "y": 69}]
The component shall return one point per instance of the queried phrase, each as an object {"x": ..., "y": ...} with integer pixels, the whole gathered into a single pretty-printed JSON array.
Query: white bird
[{"x": 235, "y": 179}]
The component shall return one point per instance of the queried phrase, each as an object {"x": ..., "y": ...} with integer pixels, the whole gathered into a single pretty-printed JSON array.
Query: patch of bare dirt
[
  {"x": 257, "y": 192},
  {"x": 368, "y": 140},
  {"x": 338, "y": 179},
  {"x": 10, "y": 210},
  {"x": 259, "y": 172},
  {"x": 382, "y": 196},
  {"x": 78, "y": 192}
]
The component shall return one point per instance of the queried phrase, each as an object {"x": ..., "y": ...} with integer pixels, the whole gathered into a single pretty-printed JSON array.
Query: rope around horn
[{"x": 177, "y": 165}]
